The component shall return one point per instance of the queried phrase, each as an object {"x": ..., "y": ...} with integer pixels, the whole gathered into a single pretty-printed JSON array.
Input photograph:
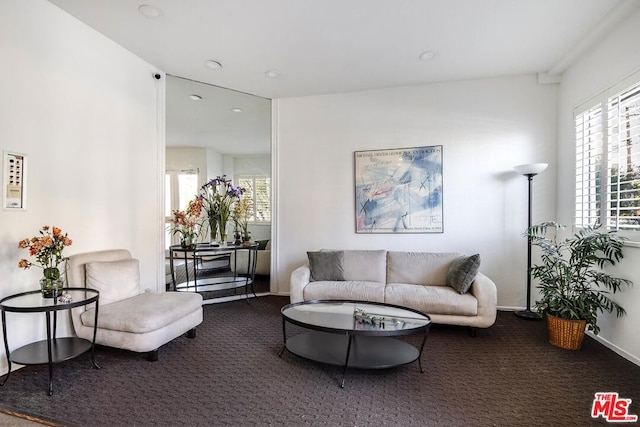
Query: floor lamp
[{"x": 529, "y": 171}]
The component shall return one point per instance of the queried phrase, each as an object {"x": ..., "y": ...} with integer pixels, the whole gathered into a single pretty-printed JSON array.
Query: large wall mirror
[{"x": 213, "y": 131}]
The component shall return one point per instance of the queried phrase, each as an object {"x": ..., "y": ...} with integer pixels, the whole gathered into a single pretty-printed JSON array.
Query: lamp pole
[{"x": 529, "y": 171}]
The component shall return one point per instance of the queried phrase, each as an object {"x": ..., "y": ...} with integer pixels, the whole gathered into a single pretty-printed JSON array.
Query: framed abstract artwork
[{"x": 399, "y": 190}]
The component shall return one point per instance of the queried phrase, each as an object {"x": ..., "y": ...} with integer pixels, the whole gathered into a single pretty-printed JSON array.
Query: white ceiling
[{"x": 331, "y": 46}]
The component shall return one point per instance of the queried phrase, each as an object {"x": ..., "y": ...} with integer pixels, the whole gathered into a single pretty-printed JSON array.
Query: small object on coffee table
[{"x": 65, "y": 297}]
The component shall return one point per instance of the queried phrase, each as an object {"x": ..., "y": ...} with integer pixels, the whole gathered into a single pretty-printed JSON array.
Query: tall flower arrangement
[{"x": 218, "y": 197}]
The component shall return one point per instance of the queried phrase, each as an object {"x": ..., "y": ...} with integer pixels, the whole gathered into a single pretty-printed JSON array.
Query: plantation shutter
[
  {"x": 259, "y": 189},
  {"x": 623, "y": 187},
  {"x": 588, "y": 131}
]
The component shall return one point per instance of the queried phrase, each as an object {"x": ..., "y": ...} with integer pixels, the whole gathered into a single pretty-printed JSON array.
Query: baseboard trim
[{"x": 611, "y": 346}]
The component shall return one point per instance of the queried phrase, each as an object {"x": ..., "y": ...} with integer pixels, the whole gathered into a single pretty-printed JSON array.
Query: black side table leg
[
  {"x": 346, "y": 361},
  {"x": 49, "y": 352},
  {"x": 95, "y": 330},
  {"x": 6, "y": 347}
]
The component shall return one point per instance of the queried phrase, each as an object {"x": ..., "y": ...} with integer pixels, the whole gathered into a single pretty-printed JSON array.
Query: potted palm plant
[{"x": 573, "y": 286}]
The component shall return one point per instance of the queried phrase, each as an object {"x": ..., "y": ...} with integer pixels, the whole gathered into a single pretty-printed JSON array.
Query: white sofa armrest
[
  {"x": 299, "y": 279},
  {"x": 484, "y": 289}
]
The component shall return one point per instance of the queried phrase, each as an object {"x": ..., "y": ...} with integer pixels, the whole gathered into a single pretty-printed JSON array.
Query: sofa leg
[
  {"x": 152, "y": 356},
  {"x": 191, "y": 333},
  {"x": 473, "y": 332}
]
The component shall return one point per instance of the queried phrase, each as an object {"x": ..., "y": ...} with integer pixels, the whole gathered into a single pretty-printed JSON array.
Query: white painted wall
[
  {"x": 90, "y": 117},
  {"x": 610, "y": 61},
  {"x": 485, "y": 127},
  {"x": 184, "y": 158}
]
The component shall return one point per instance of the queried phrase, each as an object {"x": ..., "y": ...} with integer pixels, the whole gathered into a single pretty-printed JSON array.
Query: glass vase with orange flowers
[
  {"x": 47, "y": 249},
  {"x": 185, "y": 223}
]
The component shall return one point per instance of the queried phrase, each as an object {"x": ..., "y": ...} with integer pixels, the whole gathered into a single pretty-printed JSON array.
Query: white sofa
[
  {"x": 128, "y": 319},
  {"x": 416, "y": 280}
]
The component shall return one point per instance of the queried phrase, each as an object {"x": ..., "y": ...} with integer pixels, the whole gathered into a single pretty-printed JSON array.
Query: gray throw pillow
[
  {"x": 326, "y": 265},
  {"x": 462, "y": 272}
]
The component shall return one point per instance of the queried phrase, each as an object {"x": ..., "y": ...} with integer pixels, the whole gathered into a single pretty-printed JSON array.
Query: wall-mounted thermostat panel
[{"x": 14, "y": 173}]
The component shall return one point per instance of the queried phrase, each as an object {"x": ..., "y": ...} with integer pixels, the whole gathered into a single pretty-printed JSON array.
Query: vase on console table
[
  {"x": 51, "y": 284},
  {"x": 188, "y": 241},
  {"x": 213, "y": 230},
  {"x": 222, "y": 225},
  {"x": 237, "y": 238},
  {"x": 246, "y": 239}
]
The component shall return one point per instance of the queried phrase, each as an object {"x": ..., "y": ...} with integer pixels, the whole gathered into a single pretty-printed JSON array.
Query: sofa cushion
[
  {"x": 431, "y": 299},
  {"x": 145, "y": 312},
  {"x": 344, "y": 290},
  {"x": 115, "y": 280},
  {"x": 326, "y": 265},
  {"x": 419, "y": 268},
  {"x": 365, "y": 265},
  {"x": 462, "y": 272}
]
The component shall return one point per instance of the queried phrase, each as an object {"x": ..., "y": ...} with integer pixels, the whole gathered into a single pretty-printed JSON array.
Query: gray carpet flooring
[{"x": 231, "y": 374}]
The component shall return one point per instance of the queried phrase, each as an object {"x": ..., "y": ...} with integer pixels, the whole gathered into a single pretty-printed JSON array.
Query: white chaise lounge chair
[{"x": 127, "y": 318}]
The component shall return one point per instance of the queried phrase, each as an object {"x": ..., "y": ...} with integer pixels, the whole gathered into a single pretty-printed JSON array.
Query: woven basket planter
[{"x": 567, "y": 334}]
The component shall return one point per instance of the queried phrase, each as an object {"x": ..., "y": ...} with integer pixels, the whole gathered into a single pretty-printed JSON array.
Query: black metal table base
[{"x": 353, "y": 351}]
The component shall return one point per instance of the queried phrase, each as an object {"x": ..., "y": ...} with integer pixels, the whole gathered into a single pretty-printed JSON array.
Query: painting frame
[{"x": 399, "y": 191}]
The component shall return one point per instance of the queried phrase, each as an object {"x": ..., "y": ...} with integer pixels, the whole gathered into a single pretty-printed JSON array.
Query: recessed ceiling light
[
  {"x": 195, "y": 97},
  {"x": 272, "y": 74},
  {"x": 237, "y": 110},
  {"x": 213, "y": 65},
  {"x": 427, "y": 55},
  {"x": 149, "y": 11}
]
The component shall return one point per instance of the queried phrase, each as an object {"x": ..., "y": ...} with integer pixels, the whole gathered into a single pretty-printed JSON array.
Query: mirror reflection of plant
[
  {"x": 570, "y": 287},
  {"x": 217, "y": 197},
  {"x": 241, "y": 213},
  {"x": 185, "y": 223}
]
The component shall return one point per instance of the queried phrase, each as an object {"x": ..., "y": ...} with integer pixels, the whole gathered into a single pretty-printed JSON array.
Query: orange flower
[{"x": 46, "y": 248}]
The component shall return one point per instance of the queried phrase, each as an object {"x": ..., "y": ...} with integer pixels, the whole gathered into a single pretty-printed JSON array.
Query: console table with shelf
[{"x": 204, "y": 251}]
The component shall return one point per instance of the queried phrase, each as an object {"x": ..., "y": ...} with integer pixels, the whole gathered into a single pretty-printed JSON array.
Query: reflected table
[
  {"x": 204, "y": 251},
  {"x": 53, "y": 349}
]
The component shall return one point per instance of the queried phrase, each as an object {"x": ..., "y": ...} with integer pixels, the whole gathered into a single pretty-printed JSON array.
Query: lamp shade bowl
[{"x": 531, "y": 169}]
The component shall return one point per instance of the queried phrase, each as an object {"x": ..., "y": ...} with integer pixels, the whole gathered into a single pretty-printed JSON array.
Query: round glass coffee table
[{"x": 354, "y": 334}]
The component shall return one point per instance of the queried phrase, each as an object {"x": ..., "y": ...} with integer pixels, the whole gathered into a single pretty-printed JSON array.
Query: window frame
[{"x": 603, "y": 100}]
